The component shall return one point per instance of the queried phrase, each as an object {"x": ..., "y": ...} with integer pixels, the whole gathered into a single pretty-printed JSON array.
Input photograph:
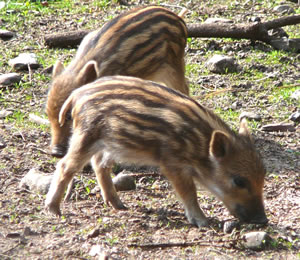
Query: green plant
[{"x": 112, "y": 240}]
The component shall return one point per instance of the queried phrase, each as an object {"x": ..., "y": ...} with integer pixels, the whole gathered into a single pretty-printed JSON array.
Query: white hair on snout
[{"x": 215, "y": 190}]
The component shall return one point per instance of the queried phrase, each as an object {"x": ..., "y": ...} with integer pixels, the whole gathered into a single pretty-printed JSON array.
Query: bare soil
[{"x": 154, "y": 226}]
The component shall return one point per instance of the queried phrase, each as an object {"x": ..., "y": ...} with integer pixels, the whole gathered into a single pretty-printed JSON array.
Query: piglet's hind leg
[{"x": 108, "y": 191}]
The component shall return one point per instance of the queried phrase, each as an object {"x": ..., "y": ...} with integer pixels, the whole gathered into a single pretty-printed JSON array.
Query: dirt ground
[{"x": 154, "y": 226}]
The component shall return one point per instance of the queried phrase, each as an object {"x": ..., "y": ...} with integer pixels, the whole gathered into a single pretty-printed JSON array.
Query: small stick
[
  {"x": 180, "y": 244},
  {"x": 30, "y": 73},
  {"x": 183, "y": 12}
]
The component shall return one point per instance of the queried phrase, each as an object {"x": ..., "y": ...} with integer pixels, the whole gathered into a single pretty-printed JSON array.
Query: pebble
[
  {"x": 250, "y": 115},
  {"x": 97, "y": 250},
  {"x": 286, "y": 44},
  {"x": 6, "y": 35},
  {"x": 278, "y": 32},
  {"x": 2, "y": 143},
  {"x": 295, "y": 117},
  {"x": 23, "y": 61},
  {"x": 36, "y": 181},
  {"x": 124, "y": 182},
  {"x": 296, "y": 94},
  {"x": 229, "y": 226},
  {"x": 255, "y": 19},
  {"x": 38, "y": 120},
  {"x": 257, "y": 240},
  {"x": 235, "y": 105},
  {"x": 28, "y": 232},
  {"x": 279, "y": 127},
  {"x": 286, "y": 9},
  {"x": 5, "y": 113},
  {"x": 13, "y": 235},
  {"x": 9, "y": 79},
  {"x": 94, "y": 233},
  {"x": 222, "y": 64}
]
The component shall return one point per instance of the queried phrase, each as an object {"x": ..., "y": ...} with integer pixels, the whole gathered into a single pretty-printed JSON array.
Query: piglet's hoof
[
  {"x": 200, "y": 223},
  {"x": 53, "y": 209},
  {"x": 116, "y": 203}
]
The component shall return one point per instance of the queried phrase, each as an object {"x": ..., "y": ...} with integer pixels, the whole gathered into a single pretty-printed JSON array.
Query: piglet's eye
[
  {"x": 240, "y": 182},
  {"x": 68, "y": 116}
]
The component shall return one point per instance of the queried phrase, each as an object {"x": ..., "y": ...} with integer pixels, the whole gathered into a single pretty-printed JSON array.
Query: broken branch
[{"x": 254, "y": 31}]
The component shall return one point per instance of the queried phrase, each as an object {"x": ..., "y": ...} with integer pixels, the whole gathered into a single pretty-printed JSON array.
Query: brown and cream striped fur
[
  {"x": 146, "y": 42},
  {"x": 130, "y": 120}
]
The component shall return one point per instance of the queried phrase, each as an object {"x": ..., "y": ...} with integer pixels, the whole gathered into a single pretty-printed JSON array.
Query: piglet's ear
[
  {"x": 219, "y": 145},
  {"x": 88, "y": 73},
  {"x": 244, "y": 130},
  {"x": 57, "y": 69}
]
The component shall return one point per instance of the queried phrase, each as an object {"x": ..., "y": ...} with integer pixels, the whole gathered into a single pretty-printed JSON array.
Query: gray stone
[
  {"x": 124, "y": 182},
  {"x": 229, "y": 226},
  {"x": 5, "y": 113},
  {"x": 255, "y": 19},
  {"x": 286, "y": 9},
  {"x": 38, "y": 120},
  {"x": 295, "y": 117},
  {"x": 257, "y": 240},
  {"x": 5, "y": 34},
  {"x": 285, "y": 44},
  {"x": 35, "y": 180},
  {"x": 250, "y": 115},
  {"x": 23, "y": 61},
  {"x": 282, "y": 127},
  {"x": 218, "y": 20},
  {"x": 99, "y": 251},
  {"x": 222, "y": 64},
  {"x": 235, "y": 105},
  {"x": 94, "y": 233},
  {"x": 28, "y": 232},
  {"x": 2, "y": 143},
  {"x": 278, "y": 32},
  {"x": 296, "y": 94},
  {"x": 9, "y": 79}
]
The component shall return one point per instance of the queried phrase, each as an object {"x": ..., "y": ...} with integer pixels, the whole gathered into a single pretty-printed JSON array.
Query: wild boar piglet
[
  {"x": 134, "y": 121},
  {"x": 145, "y": 42}
]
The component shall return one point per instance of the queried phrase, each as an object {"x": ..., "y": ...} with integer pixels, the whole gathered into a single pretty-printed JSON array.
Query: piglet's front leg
[
  {"x": 186, "y": 191},
  {"x": 62, "y": 176}
]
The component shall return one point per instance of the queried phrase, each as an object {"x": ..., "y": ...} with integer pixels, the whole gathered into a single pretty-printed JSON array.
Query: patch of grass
[
  {"x": 283, "y": 93},
  {"x": 112, "y": 240},
  {"x": 102, "y": 4},
  {"x": 17, "y": 117},
  {"x": 192, "y": 68},
  {"x": 228, "y": 115},
  {"x": 89, "y": 185}
]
